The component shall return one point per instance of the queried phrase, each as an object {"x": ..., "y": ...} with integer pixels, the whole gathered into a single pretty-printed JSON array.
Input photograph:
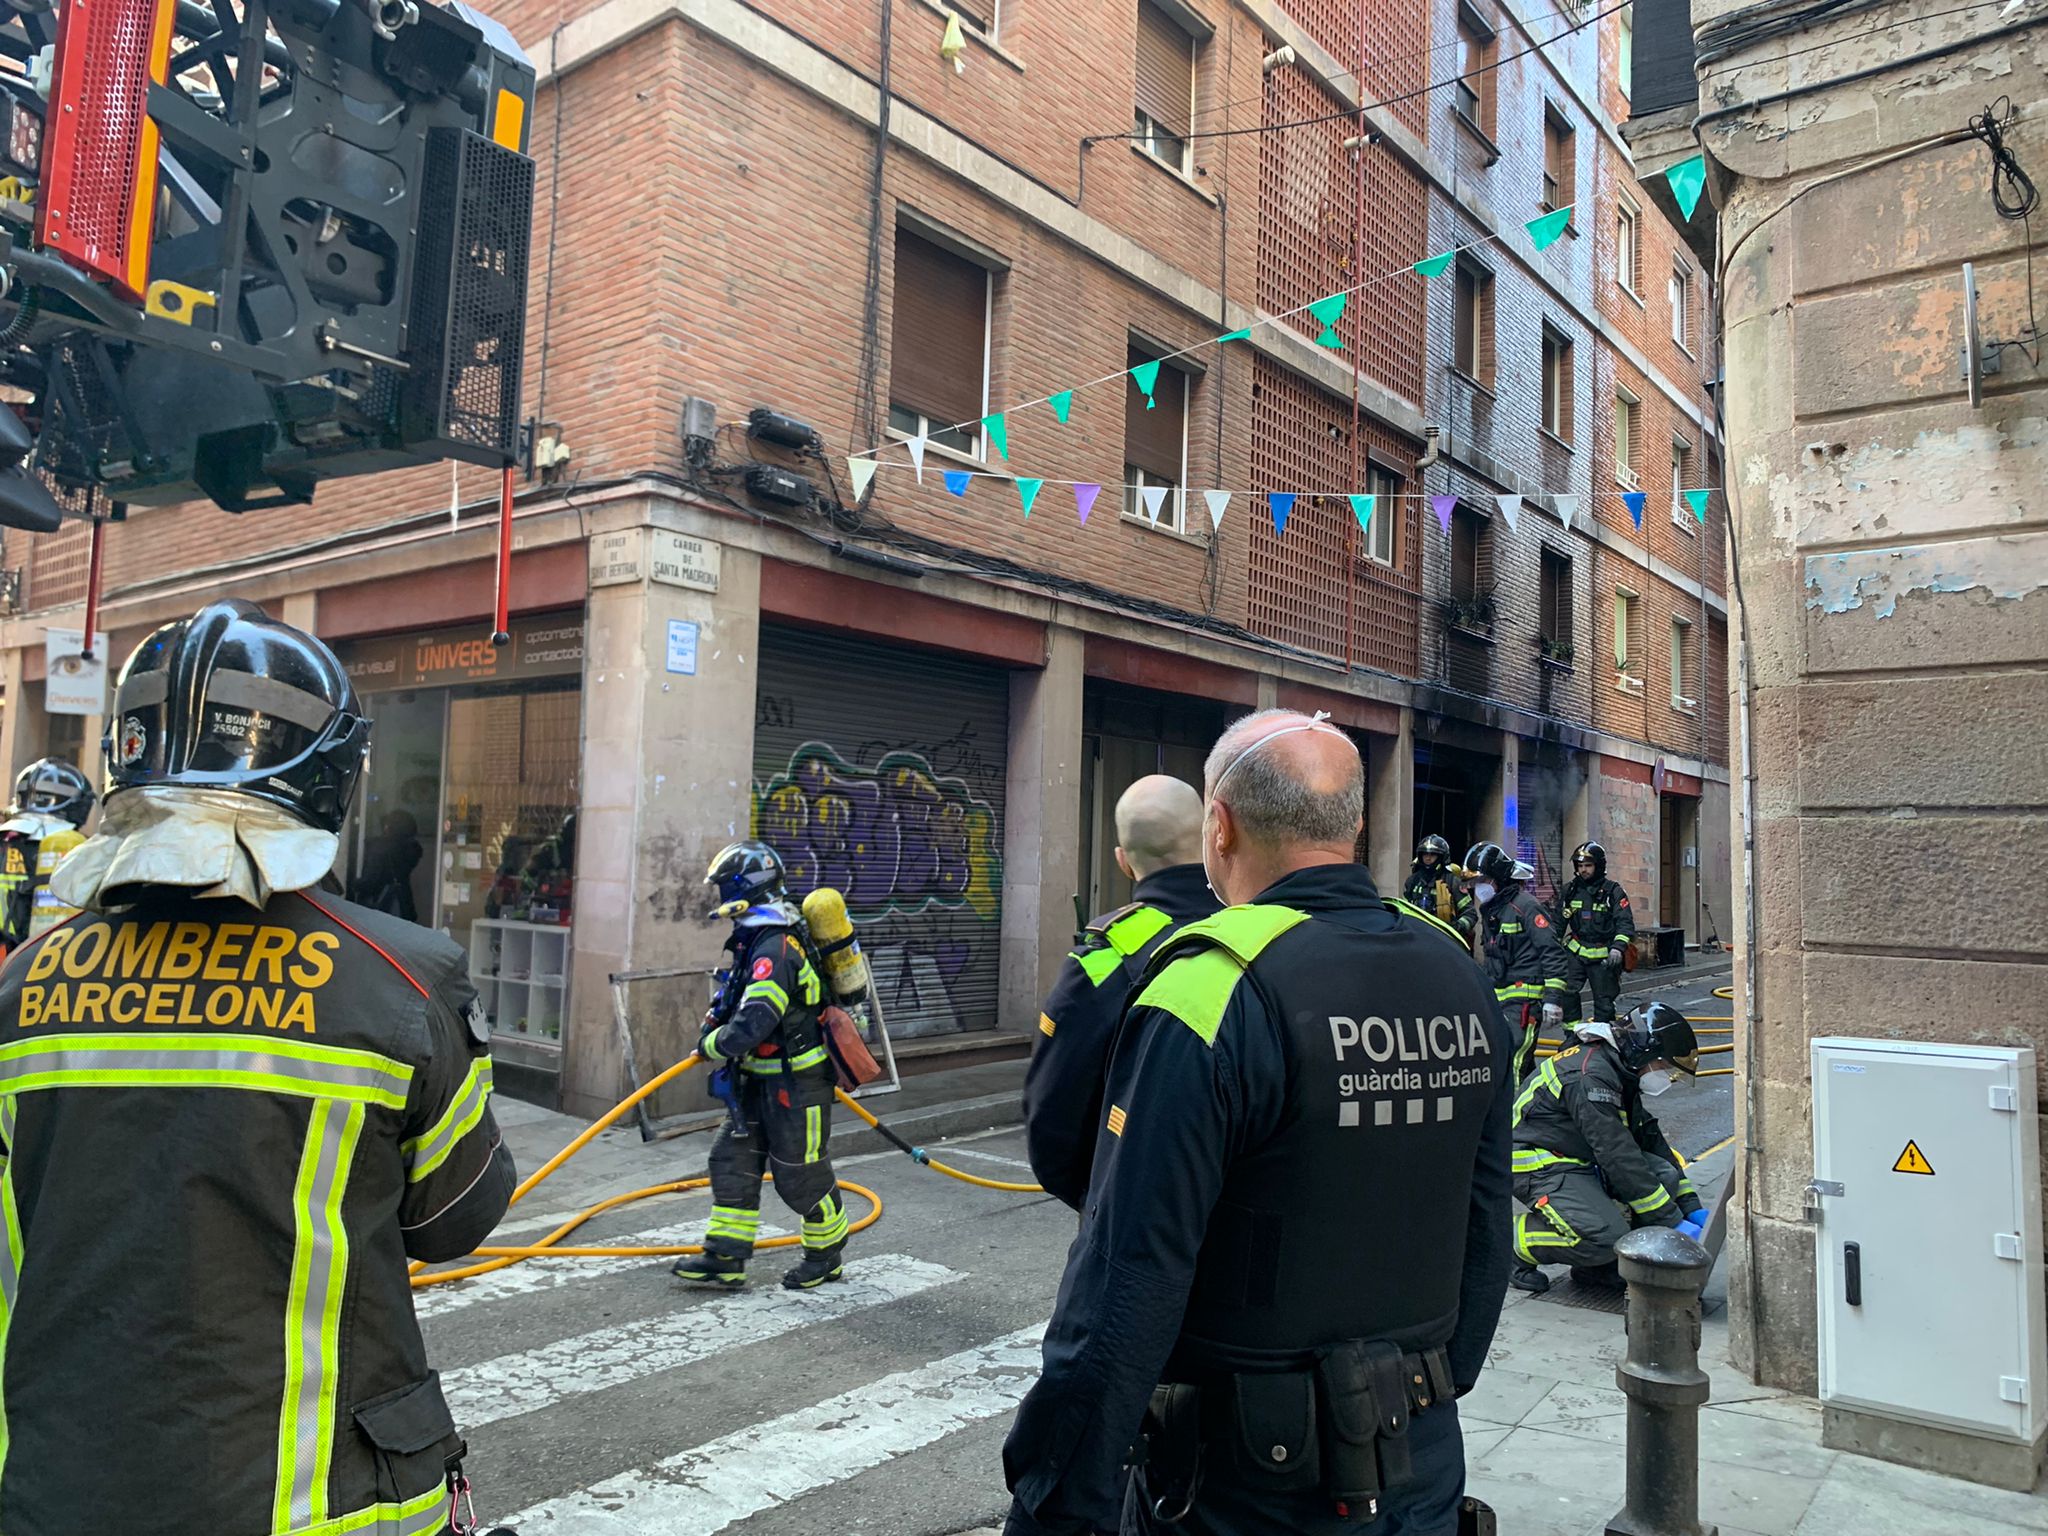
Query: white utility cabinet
[{"x": 1927, "y": 1194}]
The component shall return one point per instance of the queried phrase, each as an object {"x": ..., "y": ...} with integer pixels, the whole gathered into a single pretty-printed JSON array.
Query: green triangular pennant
[
  {"x": 1435, "y": 266},
  {"x": 1699, "y": 503},
  {"x": 1243, "y": 335},
  {"x": 1329, "y": 311},
  {"x": 998, "y": 433},
  {"x": 1688, "y": 179},
  {"x": 1544, "y": 232},
  {"x": 1361, "y": 508},
  {"x": 1062, "y": 405},
  {"x": 1147, "y": 377},
  {"x": 1027, "y": 492}
]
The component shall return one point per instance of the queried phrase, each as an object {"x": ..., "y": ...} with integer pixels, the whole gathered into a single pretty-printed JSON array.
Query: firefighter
[
  {"x": 1292, "y": 1258},
  {"x": 1434, "y": 886},
  {"x": 52, "y": 800},
  {"x": 1159, "y": 847},
  {"x": 1591, "y": 1162},
  {"x": 1522, "y": 953},
  {"x": 232, "y": 1110},
  {"x": 1598, "y": 930},
  {"x": 766, "y": 1047}
]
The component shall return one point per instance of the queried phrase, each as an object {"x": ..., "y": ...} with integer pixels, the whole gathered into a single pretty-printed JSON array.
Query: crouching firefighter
[
  {"x": 764, "y": 1040},
  {"x": 1295, "y": 1244},
  {"x": 233, "y": 1108},
  {"x": 1591, "y": 1162}
]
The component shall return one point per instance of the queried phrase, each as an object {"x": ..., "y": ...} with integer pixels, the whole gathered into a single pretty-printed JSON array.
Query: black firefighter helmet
[
  {"x": 1591, "y": 853},
  {"x": 1436, "y": 845},
  {"x": 1657, "y": 1032},
  {"x": 231, "y": 699},
  {"x": 55, "y": 788},
  {"x": 1489, "y": 861},
  {"x": 744, "y": 873}
]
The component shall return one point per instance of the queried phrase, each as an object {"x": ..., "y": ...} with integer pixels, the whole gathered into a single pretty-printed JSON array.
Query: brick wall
[{"x": 1628, "y": 830}]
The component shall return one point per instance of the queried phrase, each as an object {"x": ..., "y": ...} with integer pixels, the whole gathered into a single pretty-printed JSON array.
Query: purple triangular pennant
[
  {"x": 1084, "y": 498},
  {"x": 1443, "y": 506}
]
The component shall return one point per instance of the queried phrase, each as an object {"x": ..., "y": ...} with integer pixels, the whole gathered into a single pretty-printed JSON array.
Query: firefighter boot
[
  {"x": 819, "y": 1265},
  {"x": 1599, "y": 1277},
  {"x": 1527, "y": 1277},
  {"x": 712, "y": 1267}
]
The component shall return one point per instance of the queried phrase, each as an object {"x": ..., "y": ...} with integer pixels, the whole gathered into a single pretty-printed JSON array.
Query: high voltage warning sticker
[{"x": 1913, "y": 1160}]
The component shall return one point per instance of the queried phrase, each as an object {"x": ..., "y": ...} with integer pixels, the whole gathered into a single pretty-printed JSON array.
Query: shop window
[
  {"x": 1560, "y": 155},
  {"x": 1156, "y": 443},
  {"x": 938, "y": 354},
  {"x": 1164, "y": 111},
  {"x": 1557, "y": 385}
]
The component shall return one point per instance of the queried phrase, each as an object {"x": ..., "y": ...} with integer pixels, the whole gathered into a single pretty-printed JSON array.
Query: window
[
  {"x": 1156, "y": 444},
  {"x": 1624, "y": 630},
  {"x": 1681, "y": 673},
  {"x": 1625, "y": 54},
  {"x": 1628, "y": 247},
  {"x": 1681, "y": 306},
  {"x": 1386, "y": 512},
  {"x": 1472, "y": 98},
  {"x": 1473, "y": 354},
  {"x": 1468, "y": 555},
  {"x": 1555, "y": 612},
  {"x": 1560, "y": 161},
  {"x": 938, "y": 348},
  {"x": 982, "y": 15},
  {"x": 1681, "y": 482},
  {"x": 1557, "y": 385},
  {"x": 1165, "y": 110},
  {"x": 1627, "y": 412}
]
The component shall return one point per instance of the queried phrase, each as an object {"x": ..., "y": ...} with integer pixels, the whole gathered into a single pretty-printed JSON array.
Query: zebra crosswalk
[{"x": 600, "y": 1397}]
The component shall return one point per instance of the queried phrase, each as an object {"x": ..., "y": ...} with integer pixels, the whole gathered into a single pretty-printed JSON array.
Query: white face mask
[
  {"x": 1657, "y": 1080},
  {"x": 1484, "y": 892}
]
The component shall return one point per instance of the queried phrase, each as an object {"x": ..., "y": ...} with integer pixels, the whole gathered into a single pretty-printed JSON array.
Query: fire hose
[{"x": 493, "y": 1256}]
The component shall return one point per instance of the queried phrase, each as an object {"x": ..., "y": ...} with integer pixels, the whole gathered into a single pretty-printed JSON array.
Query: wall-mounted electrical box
[{"x": 1927, "y": 1196}]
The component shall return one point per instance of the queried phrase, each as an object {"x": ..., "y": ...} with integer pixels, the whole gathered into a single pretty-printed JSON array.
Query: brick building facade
[{"x": 768, "y": 207}]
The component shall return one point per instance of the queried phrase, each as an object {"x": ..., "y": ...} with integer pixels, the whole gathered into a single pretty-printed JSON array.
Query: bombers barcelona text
[{"x": 178, "y": 975}]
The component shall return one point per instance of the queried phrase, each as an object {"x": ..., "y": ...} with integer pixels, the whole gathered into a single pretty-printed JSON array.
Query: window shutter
[
  {"x": 936, "y": 345},
  {"x": 1153, "y": 439},
  {"x": 1166, "y": 70}
]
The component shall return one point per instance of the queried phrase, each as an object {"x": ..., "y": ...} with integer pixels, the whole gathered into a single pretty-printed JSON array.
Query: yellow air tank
[{"x": 846, "y": 968}]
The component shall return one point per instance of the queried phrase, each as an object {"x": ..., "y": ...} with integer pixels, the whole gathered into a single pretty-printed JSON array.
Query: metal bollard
[{"x": 1663, "y": 1382}]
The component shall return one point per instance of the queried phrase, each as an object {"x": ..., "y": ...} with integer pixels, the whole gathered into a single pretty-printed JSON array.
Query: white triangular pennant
[
  {"x": 1218, "y": 502},
  {"x": 1510, "y": 510},
  {"x": 916, "y": 447},
  {"x": 1155, "y": 498},
  {"x": 863, "y": 471},
  {"x": 1567, "y": 508}
]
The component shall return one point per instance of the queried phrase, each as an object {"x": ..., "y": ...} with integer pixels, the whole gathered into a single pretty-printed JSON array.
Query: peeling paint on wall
[{"x": 2005, "y": 568}]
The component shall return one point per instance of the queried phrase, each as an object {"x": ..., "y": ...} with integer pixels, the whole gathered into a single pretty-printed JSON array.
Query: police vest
[
  {"x": 1349, "y": 1221},
  {"x": 213, "y": 1114}
]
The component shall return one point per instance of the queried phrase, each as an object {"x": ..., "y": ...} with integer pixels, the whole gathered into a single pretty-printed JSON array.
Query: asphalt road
[{"x": 601, "y": 1398}]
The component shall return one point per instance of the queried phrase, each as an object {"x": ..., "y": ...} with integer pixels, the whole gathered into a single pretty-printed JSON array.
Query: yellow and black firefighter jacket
[
  {"x": 1443, "y": 896},
  {"x": 1597, "y": 919},
  {"x": 226, "y": 1132},
  {"x": 1582, "y": 1112},
  {"x": 766, "y": 1023},
  {"x": 1078, "y": 1020}
]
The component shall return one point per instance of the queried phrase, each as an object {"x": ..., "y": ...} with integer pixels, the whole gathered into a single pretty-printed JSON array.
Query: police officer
[
  {"x": 1522, "y": 953},
  {"x": 1434, "y": 886},
  {"x": 52, "y": 800},
  {"x": 1598, "y": 929},
  {"x": 1299, "y": 1199},
  {"x": 1591, "y": 1162},
  {"x": 1159, "y": 846},
  {"x": 232, "y": 1110},
  {"x": 766, "y": 1047}
]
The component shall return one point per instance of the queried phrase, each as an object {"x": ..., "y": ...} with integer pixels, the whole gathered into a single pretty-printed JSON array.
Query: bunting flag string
[
  {"x": 1567, "y": 508},
  {"x": 1443, "y": 506},
  {"x": 1699, "y": 503},
  {"x": 1362, "y": 509},
  {"x": 1218, "y": 501},
  {"x": 916, "y": 447},
  {"x": 1155, "y": 499},
  {"x": 1688, "y": 179},
  {"x": 1636, "y": 500},
  {"x": 1282, "y": 503},
  {"x": 1027, "y": 492},
  {"x": 1084, "y": 497},
  {"x": 1327, "y": 310},
  {"x": 957, "y": 481},
  {"x": 863, "y": 472},
  {"x": 1510, "y": 511}
]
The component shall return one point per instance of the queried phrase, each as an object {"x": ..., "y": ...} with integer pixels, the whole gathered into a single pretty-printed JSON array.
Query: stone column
[
  {"x": 1500, "y": 812},
  {"x": 1390, "y": 808},
  {"x": 1042, "y": 840}
]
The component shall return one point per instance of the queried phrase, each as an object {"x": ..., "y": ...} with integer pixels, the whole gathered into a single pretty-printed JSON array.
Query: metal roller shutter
[
  {"x": 881, "y": 772},
  {"x": 935, "y": 358},
  {"x": 1165, "y": 70}
]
